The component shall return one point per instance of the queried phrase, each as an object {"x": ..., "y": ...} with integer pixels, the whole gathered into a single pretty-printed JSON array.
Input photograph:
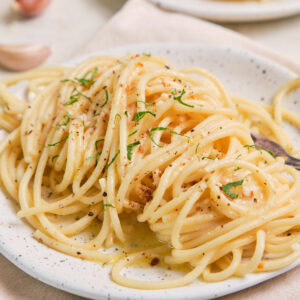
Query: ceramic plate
[
  {"x": 227, "y": 11},
  {"x": 242, "y": 74}
]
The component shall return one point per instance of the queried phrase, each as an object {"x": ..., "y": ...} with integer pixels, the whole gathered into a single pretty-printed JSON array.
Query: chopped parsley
[
  {"x": 130, "y": 147},
  {"x": 64, "y": 139},
  {"x": 139, "y": 115},
  {"x": 269, "y": 151},
  {"x": 84, "y": 81},
  {"x": 126, "y": 113},
  {"x": 161, "y": 129},
  {"x": 179, "y": 98},
  {"x": 237, "y": 168},
  {"x": 67, "y": 120},
  {"x": 107, "y": 205},
  {"x": 113, "y": 159},
  {"x": 76, "y": 96},
  {"x": 68, "y": 80},
  {"x": 106, "y": 99},
  {"x": 252, "y": 146},
  {"x": 226, "y": 188},
  {"x": 117, "y": 115},
  {"x": 197, "y": 148},
  {"x": 147, "y": 54},
  {"x": 54, "y": 157},
  {"x": 97, "y": 142},
  {"x": 146, "y": 103},
  {"x": 132, "y": 133},
  {"x": 207, "y": 157},
  {"x": 259, "y": 148},
  {"x": 95, "y": 156}
]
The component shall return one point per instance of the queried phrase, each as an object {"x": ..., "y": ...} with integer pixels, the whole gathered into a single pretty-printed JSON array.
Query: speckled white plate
[
  {"x": 227, "y": 11},
  {"x": 243, "y": 74}
]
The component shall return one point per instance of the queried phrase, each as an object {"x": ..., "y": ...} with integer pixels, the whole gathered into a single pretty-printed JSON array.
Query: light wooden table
[{"x": 67, "y": 26}]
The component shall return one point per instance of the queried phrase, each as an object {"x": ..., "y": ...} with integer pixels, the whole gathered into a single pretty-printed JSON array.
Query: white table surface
[{"x": 67, "y": 25}]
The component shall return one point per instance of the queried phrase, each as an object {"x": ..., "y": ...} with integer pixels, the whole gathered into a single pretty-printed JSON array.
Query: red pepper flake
[
  {"x": 261, "y": 265},
  {"x": 154, "y": 261}
]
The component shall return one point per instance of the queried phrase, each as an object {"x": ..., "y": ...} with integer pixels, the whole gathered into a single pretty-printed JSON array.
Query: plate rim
[
  {"x": 241, "y": 16},
  {"x": 131, "y": 48}
]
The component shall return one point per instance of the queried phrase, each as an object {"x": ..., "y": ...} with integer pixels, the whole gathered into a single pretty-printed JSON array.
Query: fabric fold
[{"x": 141, "y": 22}]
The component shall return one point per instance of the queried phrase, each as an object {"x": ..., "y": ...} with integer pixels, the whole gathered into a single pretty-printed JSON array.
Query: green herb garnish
[
  {"x": 197, "y": 148},
  {"x": 64, "y": 139},
  {"x": 138, "y": 116},
  {"x": 113, "y": 159},
  {"x": 226, "y": 188},
  {"x": 84, "y": 81},
  {"x": 147, "y": 54},
  {"x": 132, "y": 133},
  {"x": 67, "y": 121},
  {"x": 107, "y": 205},
  {"x": 161, "y": 129},
  {"x": 130, "y": 147},
  {"x": 207, "y": 157},
  {"x": 252, "y": 146},
  {"x": 259, "y": 148},
  {"x": 237, "y": 168},
  {"x": 126, "y": 113},
  {"x": 179, "y": 98},
  {"x": 68, "y": 80},
  {"x": 95, "y": 156},
  {"x": 106, "y": 99},
  {"x": 97, "y": 142},
  {"x": 75, "y": 97},
  {"x": 155, "y": 129},
  {"x": 54, "y": 157},
  {"x": 270, "y": 152},
  {"x": 117, "y": 115}
]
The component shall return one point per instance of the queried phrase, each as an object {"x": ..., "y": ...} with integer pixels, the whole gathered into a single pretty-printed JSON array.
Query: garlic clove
[
  {"x": 30, "y": 8},
  {"x": 23, "y": 57}
]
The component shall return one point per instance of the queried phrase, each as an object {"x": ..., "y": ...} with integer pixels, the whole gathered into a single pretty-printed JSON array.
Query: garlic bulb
[
  {"x": 22, "y": 57},
  {"x": 30, "y": 8}
]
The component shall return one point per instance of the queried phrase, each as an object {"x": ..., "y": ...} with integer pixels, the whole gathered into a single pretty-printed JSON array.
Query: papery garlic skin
[
  {"x": 30, "y": 8},
  {"x": 23, "y": 57}
]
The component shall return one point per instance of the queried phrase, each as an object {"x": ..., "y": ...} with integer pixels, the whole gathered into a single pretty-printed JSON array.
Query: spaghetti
[{"x": 132, "y": 137}]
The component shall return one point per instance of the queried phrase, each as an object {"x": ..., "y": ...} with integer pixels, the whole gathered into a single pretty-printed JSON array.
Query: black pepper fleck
[{"x": 154, "y": 261}]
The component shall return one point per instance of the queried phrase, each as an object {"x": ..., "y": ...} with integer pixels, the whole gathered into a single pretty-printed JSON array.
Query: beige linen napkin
[{"x": 141, "y": 22}]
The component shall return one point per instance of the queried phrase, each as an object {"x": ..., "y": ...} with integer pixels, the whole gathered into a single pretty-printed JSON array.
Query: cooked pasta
[{"x": 119, "y": 140}]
